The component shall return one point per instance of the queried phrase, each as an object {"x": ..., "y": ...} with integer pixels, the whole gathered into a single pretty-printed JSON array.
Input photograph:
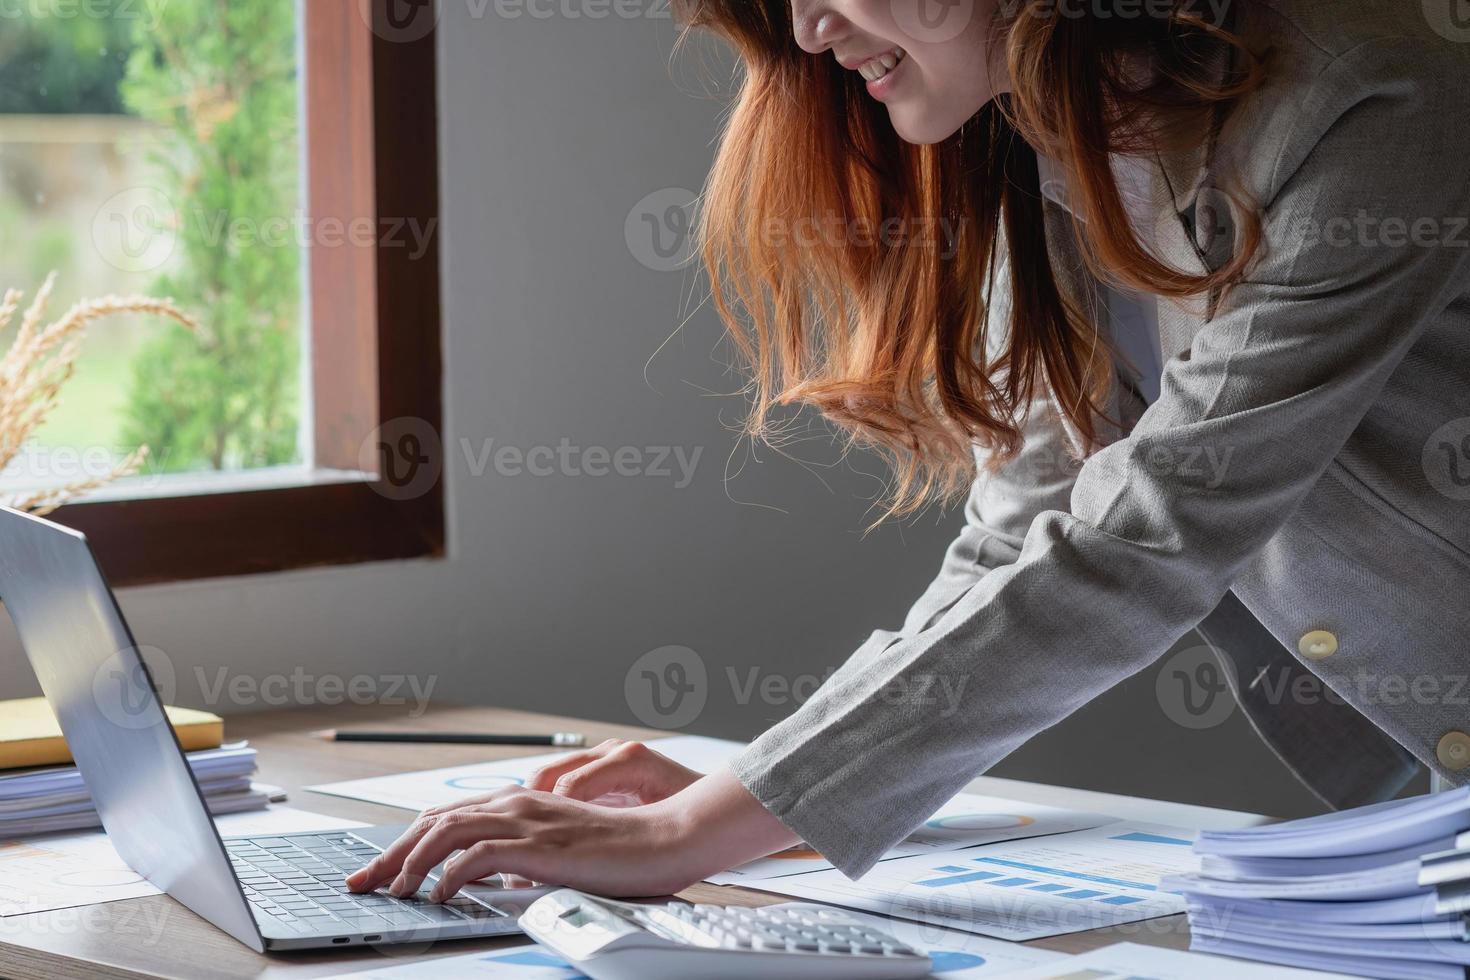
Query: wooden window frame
[{"x": 370, "y": 140}]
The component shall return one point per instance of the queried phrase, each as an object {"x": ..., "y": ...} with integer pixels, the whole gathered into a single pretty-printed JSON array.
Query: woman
[{"x": 1218, "y": 252}]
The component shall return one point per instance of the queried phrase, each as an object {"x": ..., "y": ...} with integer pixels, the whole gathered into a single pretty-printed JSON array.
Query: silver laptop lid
[{"x": 100, "y": 689}]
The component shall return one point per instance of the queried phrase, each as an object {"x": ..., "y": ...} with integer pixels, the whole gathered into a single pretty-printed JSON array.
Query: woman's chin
[{"x": 920, "y": 128}]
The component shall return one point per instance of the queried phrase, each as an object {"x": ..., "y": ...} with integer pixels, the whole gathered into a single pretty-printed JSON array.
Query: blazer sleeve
[
  {"x": 1003, "y": 500},
  {"x": 1270, "y": 390},
  {"x": 999, "y": 509}
]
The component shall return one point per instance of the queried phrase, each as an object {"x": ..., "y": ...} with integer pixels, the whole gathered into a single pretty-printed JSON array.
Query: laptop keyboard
[{"x": 301, "y": 881}]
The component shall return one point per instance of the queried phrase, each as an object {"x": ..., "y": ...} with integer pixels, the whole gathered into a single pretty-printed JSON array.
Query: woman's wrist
[{"x": 716, "y": 824}]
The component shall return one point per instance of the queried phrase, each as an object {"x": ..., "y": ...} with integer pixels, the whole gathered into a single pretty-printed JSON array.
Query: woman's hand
[
  {"x": 614, "y": 773},
  {"x": 653, "y": 849},
  {"x": 539, "y": 836}
]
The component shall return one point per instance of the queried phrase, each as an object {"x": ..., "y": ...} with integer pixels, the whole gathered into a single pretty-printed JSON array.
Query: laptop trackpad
[{"x": 511, "y": 899}]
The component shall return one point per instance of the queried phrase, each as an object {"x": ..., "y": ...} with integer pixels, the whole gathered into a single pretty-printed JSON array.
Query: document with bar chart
[
  {"x": 968, "y": 820},
  {"x": 1021, "y": 889}
]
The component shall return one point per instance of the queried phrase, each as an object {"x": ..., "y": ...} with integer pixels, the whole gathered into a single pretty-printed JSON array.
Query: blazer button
[
  {"x": 1453, "y": 751},
  {"x": 1317, "y": 645}
]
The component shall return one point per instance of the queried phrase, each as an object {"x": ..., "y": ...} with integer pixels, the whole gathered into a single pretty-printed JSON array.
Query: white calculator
[{"x": 609, "y": 940}]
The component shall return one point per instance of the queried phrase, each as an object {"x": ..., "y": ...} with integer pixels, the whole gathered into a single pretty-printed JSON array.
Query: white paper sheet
[
  {"x": 61, "y": 872},
  {"x": 40, "y": 874},
  {"x": 1023, "y": 889},
  {"x": 1132, "y": 961},
  {"x": 968, "y": 820},
  {"x": 957, "y": 956},
  {"x": 1418, "y": 821},
  {"x": 435, "y": 787}
]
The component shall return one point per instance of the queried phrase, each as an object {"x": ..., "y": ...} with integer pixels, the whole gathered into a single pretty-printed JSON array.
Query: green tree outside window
[{"x": 222, "y": 79}]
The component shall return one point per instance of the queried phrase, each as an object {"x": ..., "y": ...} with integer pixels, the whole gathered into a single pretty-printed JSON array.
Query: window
[{"x": 270, "y": 165}]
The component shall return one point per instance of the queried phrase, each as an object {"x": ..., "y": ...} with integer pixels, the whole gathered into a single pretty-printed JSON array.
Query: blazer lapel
[
  {"x": 1184, "y": 218},
  {"x": 1075, "y": 283},
  {"x": 1194, "y": 232}
]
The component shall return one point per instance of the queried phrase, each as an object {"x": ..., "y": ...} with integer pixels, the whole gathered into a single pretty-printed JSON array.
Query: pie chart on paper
[
  {"x": 99, "y": 878},
  {"x": 979, "y": 822},
  {"x": 482, "y": 784},
  {"x": 949, "y": 961}
]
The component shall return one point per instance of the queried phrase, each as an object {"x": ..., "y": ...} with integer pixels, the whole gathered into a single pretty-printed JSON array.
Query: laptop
[{"x": 271, "y": 893}]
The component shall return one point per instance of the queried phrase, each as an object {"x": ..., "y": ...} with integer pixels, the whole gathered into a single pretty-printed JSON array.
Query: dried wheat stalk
[{"x": 40, "y": 360}]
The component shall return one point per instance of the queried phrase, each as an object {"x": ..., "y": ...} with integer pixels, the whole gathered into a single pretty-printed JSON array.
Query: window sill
[
  {"x": 188, "y": 527},
  {"x": 146, "y": 487}
]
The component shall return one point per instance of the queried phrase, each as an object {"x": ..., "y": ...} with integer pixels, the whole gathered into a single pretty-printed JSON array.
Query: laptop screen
[{"x": 100, "y": 689}]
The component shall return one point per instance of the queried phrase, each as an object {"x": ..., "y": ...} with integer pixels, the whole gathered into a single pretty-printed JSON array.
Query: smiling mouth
[{"x": 875, "y": 68}]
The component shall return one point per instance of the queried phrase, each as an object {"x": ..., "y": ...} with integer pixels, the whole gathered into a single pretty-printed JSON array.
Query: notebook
[{"x": 30, "y": 736}]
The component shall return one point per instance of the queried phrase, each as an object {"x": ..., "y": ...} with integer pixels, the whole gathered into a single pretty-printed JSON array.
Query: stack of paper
[
  {"x": 30, "y": 735},
  {"x": 37, "y": 801},
  {"x": 1376, "y": 891}
]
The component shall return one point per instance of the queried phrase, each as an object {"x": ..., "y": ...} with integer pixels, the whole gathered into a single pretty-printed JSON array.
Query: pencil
[{"x": 557, "y": 739}]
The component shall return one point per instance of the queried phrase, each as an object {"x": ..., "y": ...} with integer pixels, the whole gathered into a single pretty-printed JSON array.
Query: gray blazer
[{"x": 1299, "y": 492}]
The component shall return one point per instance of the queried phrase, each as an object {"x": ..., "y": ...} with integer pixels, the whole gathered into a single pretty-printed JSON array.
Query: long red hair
[{"x": 853, "y": 269}]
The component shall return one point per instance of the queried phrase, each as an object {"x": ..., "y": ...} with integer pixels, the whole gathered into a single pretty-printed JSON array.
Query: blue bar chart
[{"x": 1022, "y": 889}]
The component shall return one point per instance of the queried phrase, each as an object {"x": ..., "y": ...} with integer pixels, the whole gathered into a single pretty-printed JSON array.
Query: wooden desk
[{"x": 157, "y": 937}]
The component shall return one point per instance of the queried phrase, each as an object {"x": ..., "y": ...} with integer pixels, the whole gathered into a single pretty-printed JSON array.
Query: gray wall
[{"x": 553, "y": 129}]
